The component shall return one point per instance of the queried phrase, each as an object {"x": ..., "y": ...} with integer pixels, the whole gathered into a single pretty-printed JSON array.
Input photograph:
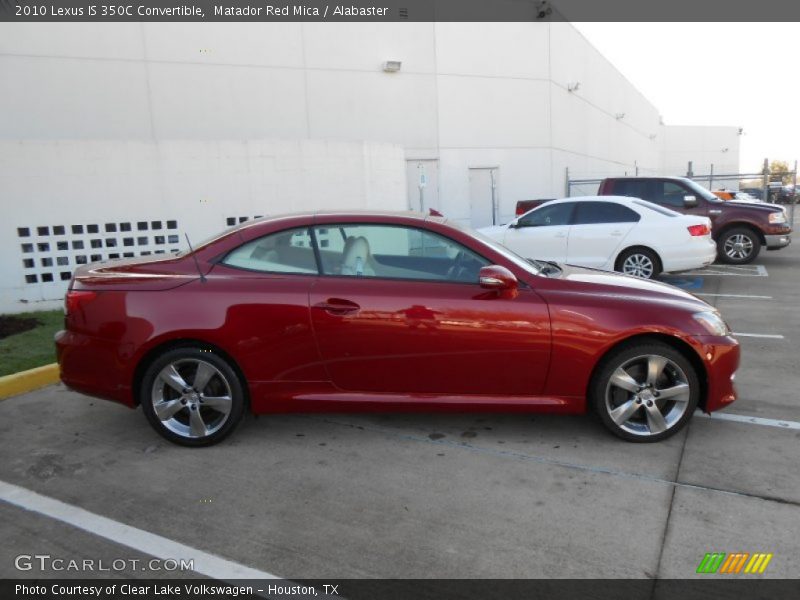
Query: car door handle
[
  {"x": 616, "y": 232},
  {"x": 561, "y": 234},
  {"x": 338, "y": 306}
]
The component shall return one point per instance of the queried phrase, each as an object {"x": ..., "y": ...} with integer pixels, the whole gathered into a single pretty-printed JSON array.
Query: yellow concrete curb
[{"x": 26, "y": 381}]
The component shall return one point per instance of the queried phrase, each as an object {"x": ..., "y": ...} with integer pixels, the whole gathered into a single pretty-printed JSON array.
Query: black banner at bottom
[{"x": 708, "y": 588}]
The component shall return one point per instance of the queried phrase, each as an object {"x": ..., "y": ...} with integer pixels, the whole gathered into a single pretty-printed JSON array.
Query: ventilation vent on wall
[
  {"x": 231, "y": 221},
  {"x": 50, "y": 253}
]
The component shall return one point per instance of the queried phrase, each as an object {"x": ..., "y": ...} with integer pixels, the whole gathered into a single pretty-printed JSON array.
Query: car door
[
  {"x": 597, "y": 231},
  {"x": 260, "y": 290},
  {"x": 542, "y": 233},
  {"x": 398, "y": 310}
]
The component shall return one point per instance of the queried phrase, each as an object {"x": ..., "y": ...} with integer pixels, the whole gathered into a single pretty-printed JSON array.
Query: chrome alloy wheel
[
  {"x": 191, "y": 398},
  {"x": 738, "y": 246},
  {"x": 638, "y": 265},
  {"x": 647, "y": 395}
]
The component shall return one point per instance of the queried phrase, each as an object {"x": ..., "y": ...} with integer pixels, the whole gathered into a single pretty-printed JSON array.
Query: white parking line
[
  {"x": 737, "y": 296},
  {"x": 769, "y": 336},
  {"x": 125, "y": 535},
  {"x": 732, "y": 271},
  {"x": 722, "y": 416}
]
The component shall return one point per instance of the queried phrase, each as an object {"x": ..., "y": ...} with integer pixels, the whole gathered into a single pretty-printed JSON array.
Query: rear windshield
[{"x": 656, "y": 208}]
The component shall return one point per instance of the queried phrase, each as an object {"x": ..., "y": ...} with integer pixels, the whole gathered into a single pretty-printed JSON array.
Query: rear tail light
[
  {"x": 75, "y": 299},
  {"x": 698, "y": 230},
  {"x": 520, "y": 211}
]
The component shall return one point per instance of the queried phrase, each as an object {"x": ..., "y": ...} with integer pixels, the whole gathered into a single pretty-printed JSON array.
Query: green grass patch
[{"x": 32, "y": 348}]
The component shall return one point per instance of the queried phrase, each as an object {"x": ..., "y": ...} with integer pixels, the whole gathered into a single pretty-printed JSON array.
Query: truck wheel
[{"x": 738, "y": 246}]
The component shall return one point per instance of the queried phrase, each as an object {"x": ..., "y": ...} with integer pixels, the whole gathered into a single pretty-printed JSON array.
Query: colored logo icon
[{"x": 735, "y": 563}]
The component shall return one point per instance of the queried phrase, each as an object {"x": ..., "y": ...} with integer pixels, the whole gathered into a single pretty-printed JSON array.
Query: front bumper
[{"x": 781, "y": 240}]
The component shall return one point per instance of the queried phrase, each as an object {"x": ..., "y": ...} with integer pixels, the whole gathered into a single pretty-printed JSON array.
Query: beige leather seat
[{"x": 356, "y": 258}]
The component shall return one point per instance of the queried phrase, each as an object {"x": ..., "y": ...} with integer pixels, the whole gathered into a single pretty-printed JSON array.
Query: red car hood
[{"x": 618, "y": 285}]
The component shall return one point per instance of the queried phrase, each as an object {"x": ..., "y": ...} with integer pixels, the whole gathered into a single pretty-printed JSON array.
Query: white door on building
[
  {"x": 483, "y": 196},
  {"x": 422, "y": 177}
]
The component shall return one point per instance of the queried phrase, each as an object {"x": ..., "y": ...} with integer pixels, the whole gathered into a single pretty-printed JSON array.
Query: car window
[
  {"x": 289, "y": 251},
  {"x": 552, "y": 214},
  {"x": 593, "y": 212},
  {"x": 667, "y": 212},
  {"x": 669, "y": 193},
  {"x": 395, "y": 252},
  {"x": 635, "y": 188}
]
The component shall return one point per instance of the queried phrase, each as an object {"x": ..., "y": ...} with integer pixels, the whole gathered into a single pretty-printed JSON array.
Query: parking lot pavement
[{"x": 436, "y": 495}]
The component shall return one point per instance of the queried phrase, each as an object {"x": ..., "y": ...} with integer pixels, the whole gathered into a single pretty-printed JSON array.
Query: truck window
[
  {"x": 669, "y": 193},
  {"x": 630, "y": 187}
]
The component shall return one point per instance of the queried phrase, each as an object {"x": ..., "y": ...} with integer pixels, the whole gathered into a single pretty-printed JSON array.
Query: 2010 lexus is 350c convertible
[{"x": 333, "y": 312}]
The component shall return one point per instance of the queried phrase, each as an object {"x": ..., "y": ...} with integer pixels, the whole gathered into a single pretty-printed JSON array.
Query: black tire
[
  {"x": 639, "y": 262},
  {"x": 738, "y": 246},
  {"x": 192, "y": 417},
  {"x": 630, "y": 415}
]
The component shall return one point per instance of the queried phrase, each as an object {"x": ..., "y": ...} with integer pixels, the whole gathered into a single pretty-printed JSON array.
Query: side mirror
[
  {"x": 513, "y": 224},
  {"x": 689, "y": 201},
  {"x": 495, "y": 277}
]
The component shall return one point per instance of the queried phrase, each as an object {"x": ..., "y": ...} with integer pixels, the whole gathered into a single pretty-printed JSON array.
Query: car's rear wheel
[
  {"x": 192, "y": 396},
  {"x": 639, "y": 262},
  {"x": 738, "y": 246},
  {"x": 646, "y": 392}
]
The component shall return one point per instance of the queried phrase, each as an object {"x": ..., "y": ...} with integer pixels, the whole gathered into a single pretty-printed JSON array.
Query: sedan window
[
  {"x": 395, "y": 252},
  {"x": 288, "y": 251},
  {"x": 552, "y": 214},
  {"x": 594, "y": 212}
]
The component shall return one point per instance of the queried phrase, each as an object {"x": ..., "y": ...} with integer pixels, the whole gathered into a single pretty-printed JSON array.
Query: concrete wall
[
  {"x": 469, "y": 97},
  {"x": 704, "y": 146},
  {"x": 143, "y": 196}
]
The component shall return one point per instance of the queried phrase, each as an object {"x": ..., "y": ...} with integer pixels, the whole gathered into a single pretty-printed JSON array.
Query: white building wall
[
  {"x": 185, "y": 187},
  {"x": 469, "y": 95},
  {"x": 704, "y": 146}
]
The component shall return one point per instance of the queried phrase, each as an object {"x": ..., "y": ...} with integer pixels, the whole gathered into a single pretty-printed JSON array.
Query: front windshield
[
  {"x": 702, "y": 192},
  {"x": 531, "y": 266}
]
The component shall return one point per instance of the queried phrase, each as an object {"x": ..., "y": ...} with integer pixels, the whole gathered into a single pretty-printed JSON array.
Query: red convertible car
[{"x": 386, "y": 312}]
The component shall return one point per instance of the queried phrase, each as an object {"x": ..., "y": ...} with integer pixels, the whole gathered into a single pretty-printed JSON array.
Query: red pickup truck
[{"x": 740, "y": 229}]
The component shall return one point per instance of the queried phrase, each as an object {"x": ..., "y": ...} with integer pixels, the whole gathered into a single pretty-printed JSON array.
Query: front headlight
[
  {"x": 712, "y": 322},
  {"x": 777, "y": 217}
]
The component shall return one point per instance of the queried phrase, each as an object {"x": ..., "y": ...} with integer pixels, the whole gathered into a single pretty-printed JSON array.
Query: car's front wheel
[
  {"x": 192, "y": 396},
  {"x": 645, "y": 392},
  {"x": 738, "y": 246}
]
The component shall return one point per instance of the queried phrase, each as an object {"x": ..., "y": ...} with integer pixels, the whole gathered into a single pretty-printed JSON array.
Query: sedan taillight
[
  {"x": 698, "y": 230},
  {"x": 75, "y": 298}
]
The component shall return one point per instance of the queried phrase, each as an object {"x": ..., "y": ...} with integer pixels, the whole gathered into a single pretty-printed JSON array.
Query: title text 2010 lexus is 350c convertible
[{"x": 332, "y": 312}]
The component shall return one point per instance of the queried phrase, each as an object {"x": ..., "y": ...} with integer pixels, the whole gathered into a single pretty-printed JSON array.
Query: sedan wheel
[
  {"x": 639, "y": 263},
  {"x": 192, "y": 397},
  {"x": 646, "y": 393}
]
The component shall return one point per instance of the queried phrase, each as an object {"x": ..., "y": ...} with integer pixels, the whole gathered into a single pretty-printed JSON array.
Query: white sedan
[{"x": 617, "y": 233}]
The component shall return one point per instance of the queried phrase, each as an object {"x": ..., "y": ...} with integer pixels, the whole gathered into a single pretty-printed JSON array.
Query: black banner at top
[{"x": 396, "y": 10}]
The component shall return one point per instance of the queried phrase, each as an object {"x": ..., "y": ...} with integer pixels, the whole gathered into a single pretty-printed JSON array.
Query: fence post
[
  {"x": 765, "y": 191},
  {"x": 567, "y": 188},
  {"x": 711, "y": 178},
  {"x": 689, "y": 172},
  {"x": 794, "y": 194}
]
